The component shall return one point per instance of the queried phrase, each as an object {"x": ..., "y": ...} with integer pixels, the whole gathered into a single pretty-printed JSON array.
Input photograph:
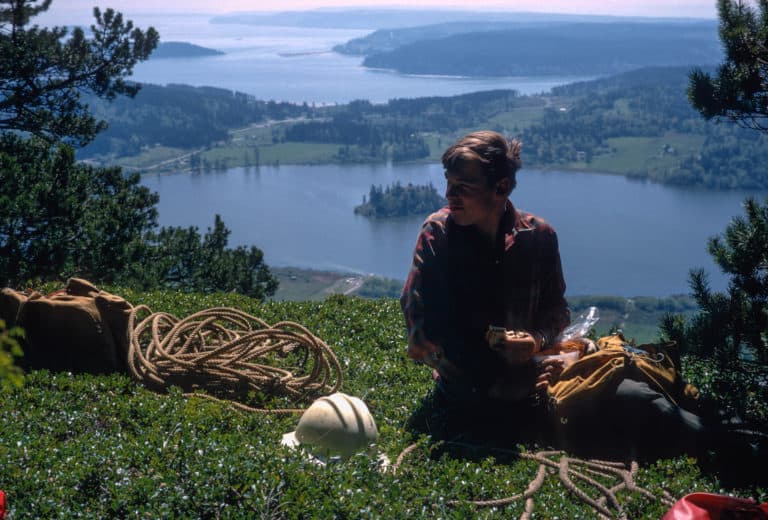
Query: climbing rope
[
  {"x": 226, "y": 351},
  {"x": 569, "y": 470}
]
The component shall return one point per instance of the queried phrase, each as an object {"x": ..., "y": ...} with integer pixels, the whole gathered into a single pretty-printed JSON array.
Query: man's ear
[{"x": 502, "y": 187}]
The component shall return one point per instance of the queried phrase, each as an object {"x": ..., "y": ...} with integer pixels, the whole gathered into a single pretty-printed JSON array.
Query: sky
[{"x": 64, "y": 10}]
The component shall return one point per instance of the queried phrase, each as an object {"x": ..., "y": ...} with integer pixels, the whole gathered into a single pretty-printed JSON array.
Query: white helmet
[{"x": 339, "y": 424}]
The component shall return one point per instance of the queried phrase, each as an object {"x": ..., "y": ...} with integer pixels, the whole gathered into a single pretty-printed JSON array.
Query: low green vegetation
[
  {"x": 11, "y": 375},
  {"x": 105, "y": 447},
  {"x": 637, "y": 318},
  {"x": 377, "y": 287}
]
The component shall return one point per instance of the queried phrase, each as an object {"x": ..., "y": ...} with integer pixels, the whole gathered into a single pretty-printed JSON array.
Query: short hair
[{"x": 497, "y": 156}]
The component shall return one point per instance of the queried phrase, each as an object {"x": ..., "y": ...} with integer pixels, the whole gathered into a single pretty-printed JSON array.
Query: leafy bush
[
  {"x": 377, "y": 287},
  {"x": 11, "y": 376},
  {"x": 731, "y": 326},
  {"x": 180, "y": 258},
  {"x": 105, "y": 447}
]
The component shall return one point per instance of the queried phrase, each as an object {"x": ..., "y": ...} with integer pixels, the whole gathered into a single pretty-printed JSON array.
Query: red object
[
  {"x": 2, "y": 505},
  {"x": 709, "y": 506}
]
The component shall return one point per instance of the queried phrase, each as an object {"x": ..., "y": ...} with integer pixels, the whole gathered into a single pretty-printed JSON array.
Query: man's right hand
[{"x": 516, "y": 347}]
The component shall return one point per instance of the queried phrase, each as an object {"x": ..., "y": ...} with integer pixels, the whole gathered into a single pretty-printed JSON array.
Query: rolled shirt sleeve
[{"x": 420, "y": 347}]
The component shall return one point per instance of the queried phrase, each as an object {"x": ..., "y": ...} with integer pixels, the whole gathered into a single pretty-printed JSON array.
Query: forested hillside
[
  {"x": 638, "y": 123},
  {"x": 178, "y": 116},
  {"x": 577, "y": 49},
  {"x": 641, "y": 124}
]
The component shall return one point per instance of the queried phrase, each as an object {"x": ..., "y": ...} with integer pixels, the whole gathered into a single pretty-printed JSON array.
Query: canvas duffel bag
[{"x": 77, "y": 329}]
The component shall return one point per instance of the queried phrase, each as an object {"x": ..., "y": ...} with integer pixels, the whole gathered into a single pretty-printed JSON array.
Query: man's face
[{"x": 471, "y": 200}]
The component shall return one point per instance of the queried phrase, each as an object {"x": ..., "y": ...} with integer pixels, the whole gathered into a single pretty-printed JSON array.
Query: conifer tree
[
  {"x": 739, "y": 91},
  {"x": 44, "y": 71},
  {"x": 733, "y": 324}
]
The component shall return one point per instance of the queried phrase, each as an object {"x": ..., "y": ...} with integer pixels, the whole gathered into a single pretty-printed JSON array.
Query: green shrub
[
  {"x": 11, "y": 376},
  {"x": 106, "y": 447}
]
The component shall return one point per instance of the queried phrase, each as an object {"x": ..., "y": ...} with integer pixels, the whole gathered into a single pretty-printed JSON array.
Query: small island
[
  {"x": 400, "y": 201},
  {"x": 183, "y": 50}
]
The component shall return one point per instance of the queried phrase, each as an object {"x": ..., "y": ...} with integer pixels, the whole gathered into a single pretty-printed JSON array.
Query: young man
[{"x": 480, "y": 263}]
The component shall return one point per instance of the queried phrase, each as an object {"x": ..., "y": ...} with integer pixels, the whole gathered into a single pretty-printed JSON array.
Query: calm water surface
[
  {"x": 296, "y": 64},
  {"x": 616, "y": 236}
]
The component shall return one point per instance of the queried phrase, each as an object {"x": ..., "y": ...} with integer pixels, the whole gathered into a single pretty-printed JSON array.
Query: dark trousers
[
  {"x": 639, "y": 416},
  {"x": 633, "y": 416}
]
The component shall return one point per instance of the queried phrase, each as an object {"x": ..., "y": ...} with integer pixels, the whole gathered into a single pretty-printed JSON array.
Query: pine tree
[
  {"x": 734, "y": 325},
  {"x": 739, "y": 91},
  {"x": 44, "y": 71}
]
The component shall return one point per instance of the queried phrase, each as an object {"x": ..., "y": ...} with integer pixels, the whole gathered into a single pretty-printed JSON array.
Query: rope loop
[{"x": 227, "y": 351}]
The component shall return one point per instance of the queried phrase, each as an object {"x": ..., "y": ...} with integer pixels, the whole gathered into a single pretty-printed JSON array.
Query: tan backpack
[
  {"x": 590, "y": 379},
  {"x": 77, "y": 329}
]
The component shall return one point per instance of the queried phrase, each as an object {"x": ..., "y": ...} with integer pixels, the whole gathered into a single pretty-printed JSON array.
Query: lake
[{"x": 617, "y": 236}]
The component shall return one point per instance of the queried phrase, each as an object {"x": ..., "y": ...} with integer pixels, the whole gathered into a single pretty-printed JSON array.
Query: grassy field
[
  {"x": 310, "y": 285},
  {"x": 517, "y": 120},
  {"x": 106, "y": 447},
  {"x": 645, "y": 153},
  {"x": 238, "y": 154}
]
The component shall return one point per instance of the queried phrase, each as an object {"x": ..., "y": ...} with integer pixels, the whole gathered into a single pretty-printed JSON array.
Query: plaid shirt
[{"x": 460, "y": 283}]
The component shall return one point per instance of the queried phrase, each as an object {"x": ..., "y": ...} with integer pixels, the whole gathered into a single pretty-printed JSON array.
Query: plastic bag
[{"x": 581, "y": 326}]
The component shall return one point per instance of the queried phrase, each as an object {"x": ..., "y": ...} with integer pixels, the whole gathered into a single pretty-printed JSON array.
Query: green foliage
[
  {"x": 377, "y": 287},
  {"x": 180, "y": 258},
  {"x": 61, "y": 218},
  {"x": 375, "y": 132},
  {"x": 11, "y": 376},
  {"x": 731, "y": 325},
  {"x": 740, "y": 389},
  {"x": 595, "y": 118},
  {"x": 399, "y": 201},
  {"x": 105, "y": 447},
  {"x": 44, "y": 71},
  {"x": 179, "y": 116},
  {"x": 739, "y": 91}
]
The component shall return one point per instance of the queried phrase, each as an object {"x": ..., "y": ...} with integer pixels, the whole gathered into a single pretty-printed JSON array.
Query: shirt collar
[{"x": 514, "y": 222}]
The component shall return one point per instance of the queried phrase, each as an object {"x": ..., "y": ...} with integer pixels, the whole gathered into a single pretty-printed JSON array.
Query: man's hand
[
  {"x": 437, "y": 360},
  {"x": 549, "y": 371},
  {"x": 516, "y": 347}
]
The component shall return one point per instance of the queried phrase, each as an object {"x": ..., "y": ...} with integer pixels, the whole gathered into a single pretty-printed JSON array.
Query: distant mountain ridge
[{"x": 372, "y": 19}]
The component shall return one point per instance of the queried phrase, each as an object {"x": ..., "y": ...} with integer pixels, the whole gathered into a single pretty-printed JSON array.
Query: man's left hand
[{"x": 548, "y": 372}]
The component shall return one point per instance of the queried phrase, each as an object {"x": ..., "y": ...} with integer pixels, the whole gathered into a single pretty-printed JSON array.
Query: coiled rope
[
  {"x": 228, "y": 352},
  {"x": 568, "y": 470}
]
